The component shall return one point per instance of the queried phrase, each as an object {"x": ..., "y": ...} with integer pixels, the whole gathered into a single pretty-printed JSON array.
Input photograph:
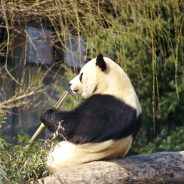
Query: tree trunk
[{"x": 163, "y": 167}]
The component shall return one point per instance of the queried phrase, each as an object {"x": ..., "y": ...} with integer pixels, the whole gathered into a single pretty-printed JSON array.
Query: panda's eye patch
[{"x": 80, "y": 77}]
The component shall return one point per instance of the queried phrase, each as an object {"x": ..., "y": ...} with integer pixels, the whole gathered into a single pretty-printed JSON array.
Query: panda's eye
[{"x": 80, "y": 77}]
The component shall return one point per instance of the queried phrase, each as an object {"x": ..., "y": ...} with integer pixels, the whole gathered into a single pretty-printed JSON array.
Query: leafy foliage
[
  {"x": 172, "y": 141},
  {"x": 22, "y": 164}
]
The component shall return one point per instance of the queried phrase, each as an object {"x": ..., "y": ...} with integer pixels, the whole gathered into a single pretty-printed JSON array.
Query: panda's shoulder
[
  {"x": 102, "y": 99},
  {"x": 98, "y": 101}
]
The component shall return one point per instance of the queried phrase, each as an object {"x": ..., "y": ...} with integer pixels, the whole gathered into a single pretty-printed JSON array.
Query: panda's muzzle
[{"x": 74, "y": 90}]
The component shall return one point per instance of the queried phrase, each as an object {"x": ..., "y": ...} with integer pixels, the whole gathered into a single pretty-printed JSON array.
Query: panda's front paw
[
  {"x": 46, "y": 113},
  {"x": 47, "y": 117}
]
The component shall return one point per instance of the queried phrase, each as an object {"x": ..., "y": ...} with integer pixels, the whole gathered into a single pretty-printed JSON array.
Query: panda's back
[{"x": 103, "y": 117}]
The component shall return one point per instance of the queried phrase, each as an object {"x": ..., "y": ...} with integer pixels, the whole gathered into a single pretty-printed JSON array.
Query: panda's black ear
[{"x": 100, "y": 62}]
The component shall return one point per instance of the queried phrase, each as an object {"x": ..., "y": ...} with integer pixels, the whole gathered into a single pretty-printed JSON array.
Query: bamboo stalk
[{"x": 42, "y": 126}]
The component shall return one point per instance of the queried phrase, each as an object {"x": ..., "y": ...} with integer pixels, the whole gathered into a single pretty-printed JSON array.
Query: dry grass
[{"x": 65, "y": 18}]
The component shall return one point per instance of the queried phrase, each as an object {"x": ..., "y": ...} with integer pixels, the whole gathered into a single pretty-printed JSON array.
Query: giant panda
[{"x": 103, "y": 126}]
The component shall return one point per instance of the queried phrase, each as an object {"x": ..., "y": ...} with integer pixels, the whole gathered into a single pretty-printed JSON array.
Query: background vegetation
[{"x": 145, "y": 37}]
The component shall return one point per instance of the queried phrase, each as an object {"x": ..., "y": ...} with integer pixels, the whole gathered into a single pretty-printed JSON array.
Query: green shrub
[
  {"x": 22, "y": 164},
  {"x": 165, "y": 141}
]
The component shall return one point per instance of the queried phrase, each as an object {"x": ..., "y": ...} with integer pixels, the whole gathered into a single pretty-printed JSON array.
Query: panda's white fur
[
  {"x": 90, "y": 81},
  {"x": 66, "y": 154}
]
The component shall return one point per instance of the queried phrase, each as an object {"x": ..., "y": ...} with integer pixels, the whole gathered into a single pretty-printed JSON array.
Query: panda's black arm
[
  {"x": 101, "y": 118},
  {"x": 58, "y": 121}
]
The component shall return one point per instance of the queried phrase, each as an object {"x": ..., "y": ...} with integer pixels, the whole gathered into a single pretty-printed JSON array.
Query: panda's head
[
  {"x": 90, "y": 78},
  {"x": 101, "y": 75}
]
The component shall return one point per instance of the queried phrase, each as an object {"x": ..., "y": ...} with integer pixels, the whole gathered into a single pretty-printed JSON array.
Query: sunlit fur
[
  {"x": 113, "y": 81},
  {"x": 67, "y": 154}
]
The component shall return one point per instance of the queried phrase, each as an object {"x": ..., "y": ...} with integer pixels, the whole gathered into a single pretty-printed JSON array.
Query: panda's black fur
[{"x": 97, "y": 119}]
